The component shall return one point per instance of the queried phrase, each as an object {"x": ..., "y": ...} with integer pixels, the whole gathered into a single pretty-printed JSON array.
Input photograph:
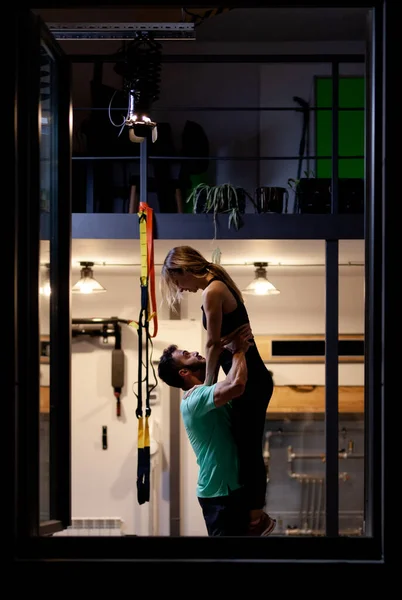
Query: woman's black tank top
[{"x": 230, "y": 322}]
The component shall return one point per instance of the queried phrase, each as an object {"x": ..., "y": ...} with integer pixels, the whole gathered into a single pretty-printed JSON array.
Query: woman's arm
[{"x": 212, "y": 305}]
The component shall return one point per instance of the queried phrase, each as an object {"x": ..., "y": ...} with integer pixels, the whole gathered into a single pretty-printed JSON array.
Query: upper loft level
[{"x": 254, "y": 115}]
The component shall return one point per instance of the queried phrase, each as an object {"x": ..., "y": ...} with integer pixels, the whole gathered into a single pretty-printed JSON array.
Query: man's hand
[
  {"x": 240, "y": 340},
  {"x": 240, "y": 331},
  {"x": 188, "y": 392}
]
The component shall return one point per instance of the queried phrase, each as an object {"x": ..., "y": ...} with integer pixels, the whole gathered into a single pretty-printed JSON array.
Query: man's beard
[{"x": 199, "y": 370}]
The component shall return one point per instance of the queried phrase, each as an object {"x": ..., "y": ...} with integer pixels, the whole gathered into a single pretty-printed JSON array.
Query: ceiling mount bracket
[{"x": 121, "y": 31}]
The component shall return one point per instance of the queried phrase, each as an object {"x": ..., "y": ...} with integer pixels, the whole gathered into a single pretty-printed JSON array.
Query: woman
[{"x": 223, "y": 311}]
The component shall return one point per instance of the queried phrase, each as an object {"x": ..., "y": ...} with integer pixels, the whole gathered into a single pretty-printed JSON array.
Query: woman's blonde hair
[{"x": 185, "y": 259}]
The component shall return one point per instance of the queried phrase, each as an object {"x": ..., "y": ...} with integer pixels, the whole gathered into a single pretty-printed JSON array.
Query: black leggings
[{"x": 249, "y": 415}]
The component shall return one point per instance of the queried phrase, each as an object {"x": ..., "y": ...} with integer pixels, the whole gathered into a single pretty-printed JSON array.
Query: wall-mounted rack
[{"x": 105, "y": 327}]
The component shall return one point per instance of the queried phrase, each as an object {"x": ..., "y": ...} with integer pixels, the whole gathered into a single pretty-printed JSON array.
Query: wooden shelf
[
  {"x": 44, "y": 399},
  {"x": 310, "y": 400}
]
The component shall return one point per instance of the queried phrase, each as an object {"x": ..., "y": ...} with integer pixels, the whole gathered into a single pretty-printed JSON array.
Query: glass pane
[
  {"x": 351, "y": 126},
  {"x": 48, "y": 162},
  {"x": 351, "y": 391},
  {"x": 292, "y": 341}
]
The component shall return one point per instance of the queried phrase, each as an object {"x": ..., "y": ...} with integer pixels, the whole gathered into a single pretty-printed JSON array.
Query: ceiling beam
[{"x": 124, "y": 15}]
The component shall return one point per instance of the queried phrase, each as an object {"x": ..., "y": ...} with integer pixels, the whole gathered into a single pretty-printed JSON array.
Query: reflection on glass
[{"x": 48, "y": 160}]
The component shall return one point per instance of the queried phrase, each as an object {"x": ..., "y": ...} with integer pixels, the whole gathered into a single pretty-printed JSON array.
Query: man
[{"x": 206, "y": 416}]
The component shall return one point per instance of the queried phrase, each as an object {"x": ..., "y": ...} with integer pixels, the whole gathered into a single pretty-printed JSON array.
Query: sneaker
[{"x": 264, "y": 527}]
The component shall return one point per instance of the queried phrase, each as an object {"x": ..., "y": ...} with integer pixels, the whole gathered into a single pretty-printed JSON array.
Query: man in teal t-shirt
[{"x": 206, "y": 416}]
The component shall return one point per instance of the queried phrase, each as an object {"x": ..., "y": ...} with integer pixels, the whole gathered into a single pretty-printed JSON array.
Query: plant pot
[
  {"x": 351, "y": 196},
  {"x": 271, "y": 199},
  {"x": 313, "y": 196}
]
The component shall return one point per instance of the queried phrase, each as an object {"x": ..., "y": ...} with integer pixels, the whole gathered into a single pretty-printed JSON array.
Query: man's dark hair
[{"x": 168, "y": 368}]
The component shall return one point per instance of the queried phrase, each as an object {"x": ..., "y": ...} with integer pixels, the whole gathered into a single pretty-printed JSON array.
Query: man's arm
[
  {"x": 198, "y": 397},
  {"x": 235, "y": 382}
]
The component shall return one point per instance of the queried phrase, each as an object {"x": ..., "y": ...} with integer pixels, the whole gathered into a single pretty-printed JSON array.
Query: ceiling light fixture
[
  {"x": 139, "y": 64},
  {"x": 87, "y": 284},
  {"x": 260, "y": 286}
]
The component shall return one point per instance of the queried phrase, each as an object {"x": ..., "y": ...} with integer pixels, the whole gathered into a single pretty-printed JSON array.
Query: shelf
[
  {"x": 300, "y": 401},
  {"x": 214, "y": 158},
  {"x": 233, "y": 58},
  {"x": 173, "y": 226},
  {"x": 156, "y": 109},
  {"x": 44, "y": 399},
  {"x": 198, "y": 227}
]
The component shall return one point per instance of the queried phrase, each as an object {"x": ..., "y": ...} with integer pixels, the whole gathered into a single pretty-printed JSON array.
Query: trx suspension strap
[{"x": 147, "y": 312}]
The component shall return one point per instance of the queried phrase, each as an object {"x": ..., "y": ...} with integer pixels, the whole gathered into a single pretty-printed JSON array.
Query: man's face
[{"x": 193, "y": 361}]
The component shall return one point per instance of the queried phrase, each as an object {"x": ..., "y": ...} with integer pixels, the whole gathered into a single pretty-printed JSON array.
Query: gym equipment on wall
[{"x": 105, "y": 328}]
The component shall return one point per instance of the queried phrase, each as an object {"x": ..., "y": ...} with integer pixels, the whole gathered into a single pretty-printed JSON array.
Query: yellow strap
[
  {"x": 147, "y": 442},
  {"x": 143, "y": 247},
  {"x": 140, "y": 432},
  {"x": 143, "y": 433}
]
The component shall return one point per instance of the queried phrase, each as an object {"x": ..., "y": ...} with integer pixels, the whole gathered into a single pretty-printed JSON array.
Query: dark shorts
[{"x": 225, "y": 515}]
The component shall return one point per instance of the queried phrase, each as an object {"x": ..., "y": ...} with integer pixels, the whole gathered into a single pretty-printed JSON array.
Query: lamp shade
[
  {"x": 44, "y": 288},
  {"x": 260, "y": 286},
  {"x": 87, "y": 284}
]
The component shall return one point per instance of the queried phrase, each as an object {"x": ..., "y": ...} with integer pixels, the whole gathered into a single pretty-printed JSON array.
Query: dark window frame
[{"x": 331, "y": 549}]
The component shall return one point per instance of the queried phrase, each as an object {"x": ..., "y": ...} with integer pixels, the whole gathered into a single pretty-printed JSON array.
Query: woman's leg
[{"x": 249, "y": 416}]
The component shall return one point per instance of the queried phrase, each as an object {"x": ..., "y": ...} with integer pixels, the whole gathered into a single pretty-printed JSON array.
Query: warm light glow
[
  {"x": 261, "y": 286},
  {"x": 45, "y": 290},
  {"x": 87, "y": 284}
]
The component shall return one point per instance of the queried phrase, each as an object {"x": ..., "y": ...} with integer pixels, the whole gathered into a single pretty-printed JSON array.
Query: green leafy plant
[{"x": 224, "y": 198}]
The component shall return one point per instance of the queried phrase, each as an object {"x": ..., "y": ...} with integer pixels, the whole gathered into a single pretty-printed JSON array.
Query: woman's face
[{"x": 186, "y": 282}]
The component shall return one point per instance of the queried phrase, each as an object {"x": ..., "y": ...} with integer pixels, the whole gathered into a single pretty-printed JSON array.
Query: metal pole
[
  {"x": 332, "y": 387},
  {"x": 335, "y": 136},
  {"x": 174, "y": 418},
  {"x": 374, "y": 273},
  {"x": 143, "y": 171}
]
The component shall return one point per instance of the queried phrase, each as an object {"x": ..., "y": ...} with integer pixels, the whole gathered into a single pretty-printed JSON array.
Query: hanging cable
[{"x": 139, "y": 63}]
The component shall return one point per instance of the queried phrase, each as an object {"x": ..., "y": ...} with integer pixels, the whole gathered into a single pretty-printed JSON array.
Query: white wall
[
  {"x": 300, "y": 307},
  {"x": 111, "y": 491}
]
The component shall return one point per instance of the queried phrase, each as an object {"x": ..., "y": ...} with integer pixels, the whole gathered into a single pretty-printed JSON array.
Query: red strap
[{"x": 151, "y": 263}]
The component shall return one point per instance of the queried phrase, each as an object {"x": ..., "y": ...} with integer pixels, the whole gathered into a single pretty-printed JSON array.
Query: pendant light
[
  {"x": 260, "y": 286},
  {"x": 87, "y": 284},
  {"x": 44, "y": 289}
]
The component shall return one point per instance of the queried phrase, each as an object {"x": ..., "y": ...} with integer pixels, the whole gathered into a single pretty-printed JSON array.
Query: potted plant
[
  {"x": 224, "y": 198},
  {"x": 312, "y": 195}
]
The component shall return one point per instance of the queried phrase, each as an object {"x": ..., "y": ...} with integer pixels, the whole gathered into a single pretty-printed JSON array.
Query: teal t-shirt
[{"x": 209, "y": 431}]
